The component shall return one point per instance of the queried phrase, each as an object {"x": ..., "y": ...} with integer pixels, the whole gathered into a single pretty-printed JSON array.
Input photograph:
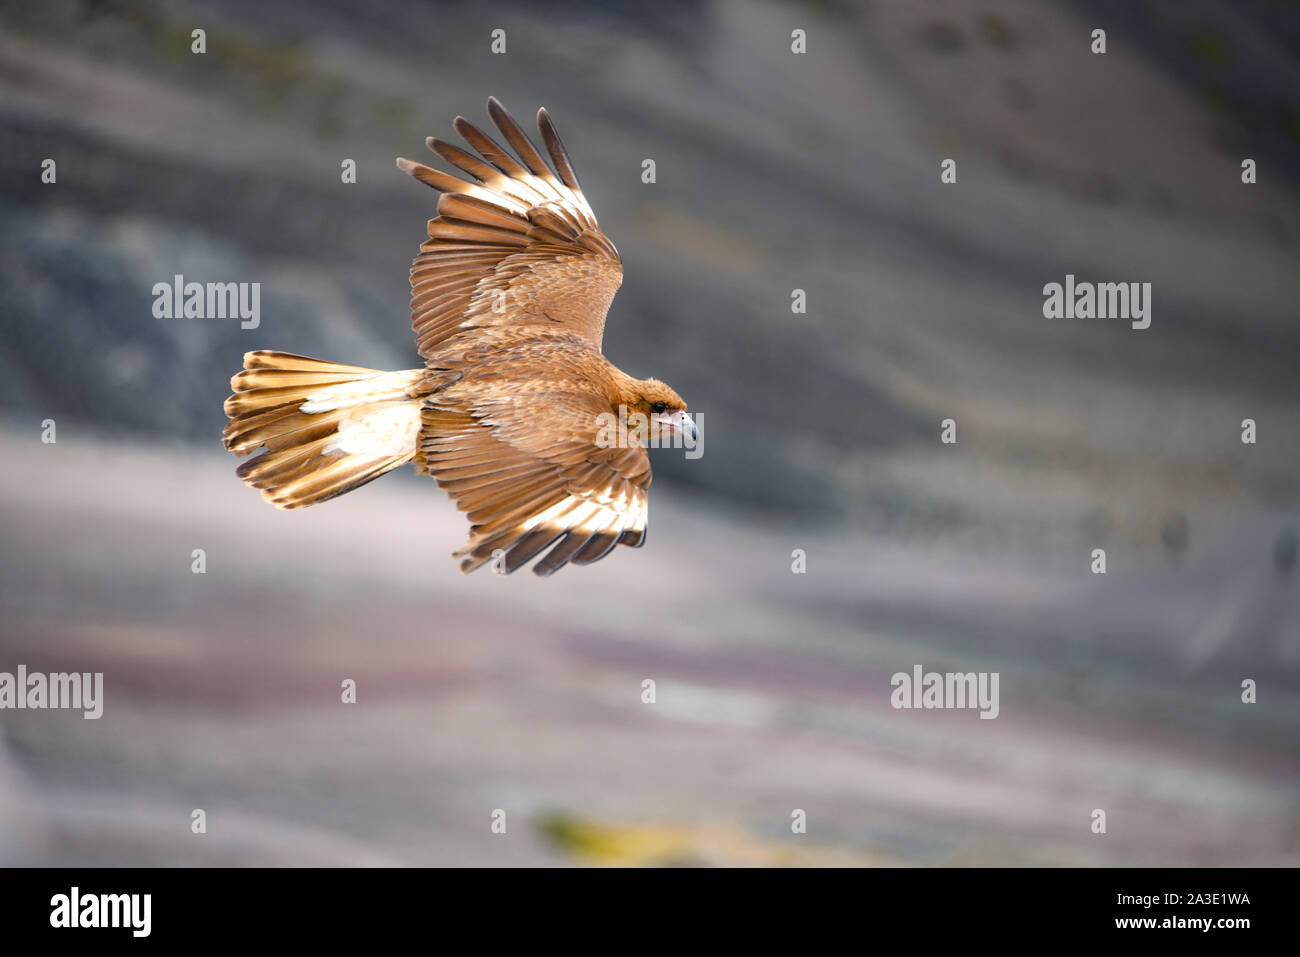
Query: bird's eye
[{"x": 658, "y": 407}]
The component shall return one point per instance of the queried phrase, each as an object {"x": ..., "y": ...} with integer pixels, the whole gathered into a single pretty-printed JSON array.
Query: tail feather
[{"x": 325, "y": 428}]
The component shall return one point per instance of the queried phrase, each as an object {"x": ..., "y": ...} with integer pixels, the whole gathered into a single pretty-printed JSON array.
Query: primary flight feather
[{"x": 510, "y": 414}]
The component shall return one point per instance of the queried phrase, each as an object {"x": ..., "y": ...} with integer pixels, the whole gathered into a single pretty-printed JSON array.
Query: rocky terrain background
[{"x": 774, "y": 172}]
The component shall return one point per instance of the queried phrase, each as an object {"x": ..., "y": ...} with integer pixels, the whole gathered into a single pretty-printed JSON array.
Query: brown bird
[{"x": 537, "y": 436}]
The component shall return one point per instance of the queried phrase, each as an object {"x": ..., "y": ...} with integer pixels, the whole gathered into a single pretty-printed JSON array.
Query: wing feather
[
  {"x": 534, "y": 490},
  {"x": 559, "y": 156},
  {"x": 514, "y": 243}
]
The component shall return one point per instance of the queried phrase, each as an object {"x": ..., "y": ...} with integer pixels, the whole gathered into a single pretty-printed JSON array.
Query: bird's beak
[{"x": 676, "y": 422}]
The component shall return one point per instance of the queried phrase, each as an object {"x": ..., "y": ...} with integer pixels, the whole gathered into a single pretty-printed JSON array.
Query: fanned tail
[{"x": 326, "y": 428}]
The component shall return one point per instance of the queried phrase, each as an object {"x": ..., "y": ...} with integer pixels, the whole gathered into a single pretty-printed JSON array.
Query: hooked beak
[{"x": 675, "y": 422}]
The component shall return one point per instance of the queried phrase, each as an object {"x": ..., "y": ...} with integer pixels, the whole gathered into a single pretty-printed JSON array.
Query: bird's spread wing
[
  {"x": 529, "y": 474},
  {"x": 513, "y": 243}
]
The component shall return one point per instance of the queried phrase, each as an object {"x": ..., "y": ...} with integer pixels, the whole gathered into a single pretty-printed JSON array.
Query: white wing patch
[{"x": 627, "y": 512}]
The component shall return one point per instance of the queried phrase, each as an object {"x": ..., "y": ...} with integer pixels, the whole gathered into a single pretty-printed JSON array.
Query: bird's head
[{"x": 662, "y": 407}]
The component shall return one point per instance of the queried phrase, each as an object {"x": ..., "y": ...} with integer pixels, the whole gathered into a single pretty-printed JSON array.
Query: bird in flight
[{"x": 514, "y": 410}]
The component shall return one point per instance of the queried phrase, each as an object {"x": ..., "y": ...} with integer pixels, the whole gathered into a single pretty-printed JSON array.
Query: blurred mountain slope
[
  {"x": 222, "y": 690},
  {"x": 775, "y": 172}
]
